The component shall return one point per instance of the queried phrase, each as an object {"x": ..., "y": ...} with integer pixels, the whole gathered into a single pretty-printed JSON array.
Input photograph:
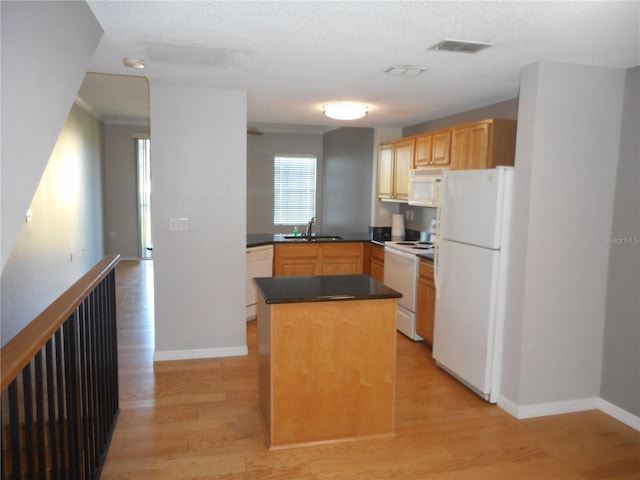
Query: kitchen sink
[{"x": 313, "y": 238}]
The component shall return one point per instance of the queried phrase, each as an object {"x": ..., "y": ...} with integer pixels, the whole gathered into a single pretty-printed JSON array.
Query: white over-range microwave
[{"x": 425, "y": 186}]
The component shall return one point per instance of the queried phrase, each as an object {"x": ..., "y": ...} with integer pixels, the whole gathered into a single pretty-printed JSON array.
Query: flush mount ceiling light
[
  {"x": 405, "y": 70},
  {"x": 345, "y": 110},
  {"x": 133, "y": 63},
  {"x": 460, "y": 46}
]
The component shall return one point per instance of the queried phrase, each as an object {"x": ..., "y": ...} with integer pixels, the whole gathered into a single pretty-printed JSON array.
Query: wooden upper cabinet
[
  {"x": 422, "y": 157},
  {"x": 440, "y": 148},
  {"x": 484, "y": 144},
  {"x": 395, "y": 159},
  {"x": 432, "y": 149},
  {"x": 403, "y": 158},
  {"x": 385, "y": 171}
]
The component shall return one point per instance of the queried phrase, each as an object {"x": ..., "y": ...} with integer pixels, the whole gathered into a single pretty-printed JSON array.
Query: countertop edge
[
  {"x": 258, "y": 240},
  {"x": 330, "y": 288}
]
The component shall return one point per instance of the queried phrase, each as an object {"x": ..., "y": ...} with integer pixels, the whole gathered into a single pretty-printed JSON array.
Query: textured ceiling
[{"x": 292, "y": 57}]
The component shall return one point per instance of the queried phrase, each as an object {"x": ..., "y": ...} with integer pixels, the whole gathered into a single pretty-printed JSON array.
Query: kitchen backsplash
[
  {"x": 383, "y": 234},
  {"x": 419, "y": 218},
  {"x": 417, "y": 221}
]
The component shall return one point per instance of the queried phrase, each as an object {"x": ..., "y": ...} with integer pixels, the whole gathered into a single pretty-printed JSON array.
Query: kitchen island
[{"x": 326, "y": 355}]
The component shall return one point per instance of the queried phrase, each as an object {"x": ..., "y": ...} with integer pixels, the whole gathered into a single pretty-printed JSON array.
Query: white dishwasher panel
[{"x": 259, "y": 264}]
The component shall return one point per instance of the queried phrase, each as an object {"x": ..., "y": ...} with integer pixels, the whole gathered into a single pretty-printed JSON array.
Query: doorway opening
[{"x": 143, "y": 155}]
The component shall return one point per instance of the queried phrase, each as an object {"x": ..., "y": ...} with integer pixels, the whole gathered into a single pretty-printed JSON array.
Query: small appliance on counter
[
  {"x": 380, "y": 234},
  {"x": 397, "y": 227}
]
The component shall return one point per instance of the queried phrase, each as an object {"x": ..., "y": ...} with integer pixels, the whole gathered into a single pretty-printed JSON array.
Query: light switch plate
[{"x": 179, "y": 224}]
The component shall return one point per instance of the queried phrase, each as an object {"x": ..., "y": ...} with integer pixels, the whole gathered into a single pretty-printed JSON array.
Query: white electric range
[
  {"x": 411, "y": 246},
  {"x": 401, "y": 274}
]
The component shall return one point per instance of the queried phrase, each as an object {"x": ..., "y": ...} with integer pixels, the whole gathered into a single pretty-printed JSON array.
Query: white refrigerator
[{"x": 471, "y": 271}]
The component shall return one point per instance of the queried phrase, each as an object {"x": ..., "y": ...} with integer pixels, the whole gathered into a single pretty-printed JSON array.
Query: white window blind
[{"x": 294, "y": 185}]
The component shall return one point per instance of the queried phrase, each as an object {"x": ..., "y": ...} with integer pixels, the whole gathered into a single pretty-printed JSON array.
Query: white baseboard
[
  {"x": 557, "y": 408},
  {"x": 619, "y": 414},
  {"x": 166, "y": 355}
]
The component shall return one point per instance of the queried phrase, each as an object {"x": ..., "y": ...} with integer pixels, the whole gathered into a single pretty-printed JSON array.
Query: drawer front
[{"x": 425, "y": 270}]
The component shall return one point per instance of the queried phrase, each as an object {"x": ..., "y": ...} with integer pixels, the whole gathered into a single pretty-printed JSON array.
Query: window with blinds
[{"x": 294, "y": 185}]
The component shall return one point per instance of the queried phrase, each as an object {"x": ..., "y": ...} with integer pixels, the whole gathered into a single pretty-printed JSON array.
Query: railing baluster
[
  {"x": 112, "y": 324},
  {"x": 104, "y": 365},
  {"x": 85, "y": 416},
  {"x": 51, "y": 408},
  {"x": 41, "y": 422},
  {"x": 27, "y": 405},
  {"x": 71, "y": 369},
  {"x": 14, "y": 420},
  {"x": 93, "y": 384},
  {"x": 62, "y": 416}
]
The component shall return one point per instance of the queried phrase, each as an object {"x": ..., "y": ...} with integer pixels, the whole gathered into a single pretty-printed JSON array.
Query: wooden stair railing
[{"x": 60, "y": 384}]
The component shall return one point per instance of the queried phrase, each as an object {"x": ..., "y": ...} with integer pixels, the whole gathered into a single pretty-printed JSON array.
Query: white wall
[
  {"x": 621, "y": 355},
  {"x": 120, "y": 181},
  {"x": 199, "y": 173},
  {"x": 567, "y": 149},
  {"x": 64, "y": 238},
  {"x": 46, "y": 50}
]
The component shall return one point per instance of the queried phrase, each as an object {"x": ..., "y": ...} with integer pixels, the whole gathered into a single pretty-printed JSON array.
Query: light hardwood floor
[{"x": 198, "y": 419}]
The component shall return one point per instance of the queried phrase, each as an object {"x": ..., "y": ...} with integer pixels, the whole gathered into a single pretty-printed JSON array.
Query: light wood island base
[{"x": 326, "y": 370}]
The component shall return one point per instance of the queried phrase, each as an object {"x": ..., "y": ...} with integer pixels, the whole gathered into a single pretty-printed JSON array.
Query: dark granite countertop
[
  {"x": 325, "y": 288},
  {"x": 258, "y": 239}
]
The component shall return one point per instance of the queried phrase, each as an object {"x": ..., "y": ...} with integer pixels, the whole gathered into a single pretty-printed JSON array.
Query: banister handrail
[{"x": 19, "y": 351}]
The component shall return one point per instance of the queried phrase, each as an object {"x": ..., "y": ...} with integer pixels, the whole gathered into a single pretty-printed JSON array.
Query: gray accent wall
[
  {"x": 347, "y": 179},
  {"x": 620, "y": 384},
  {"x": 64, "y": 238},
  {"x": 120, "y": 184},
  {"x": 261, "y": 151},
  {"x": 507, "y": 110}
]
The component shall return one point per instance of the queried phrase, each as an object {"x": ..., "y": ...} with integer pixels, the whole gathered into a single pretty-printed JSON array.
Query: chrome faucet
[{"x": 310, "y": 227}]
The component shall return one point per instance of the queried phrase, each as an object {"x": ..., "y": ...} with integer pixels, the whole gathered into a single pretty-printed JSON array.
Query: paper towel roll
[{"x": 397, "y": 227}]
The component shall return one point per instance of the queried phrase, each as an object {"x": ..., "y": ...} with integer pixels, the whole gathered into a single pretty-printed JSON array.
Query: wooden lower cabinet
[
  {"x": 426, "y": 307},
  {"x": 343, "y": 258},
  {"x": 377, "y": 262},
  {"x": 330, "y": 379},
  {"x": 296, "y": 259}
]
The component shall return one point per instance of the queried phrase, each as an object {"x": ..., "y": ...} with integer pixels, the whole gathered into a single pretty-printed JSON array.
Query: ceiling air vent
[
  {"x": 405, "y": 70},
  {"x": 460, "y": 46}
]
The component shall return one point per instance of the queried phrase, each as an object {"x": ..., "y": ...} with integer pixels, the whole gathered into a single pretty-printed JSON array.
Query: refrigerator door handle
[
  {"x": 436, "y": 272},
  {"x": 436, "y": 254}
]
